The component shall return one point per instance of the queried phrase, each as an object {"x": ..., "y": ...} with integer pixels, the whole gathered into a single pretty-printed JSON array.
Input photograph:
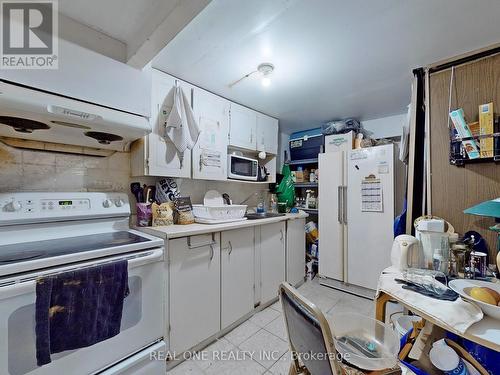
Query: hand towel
[
  {"x": 79, "y": 308},
  {"x": 181, "y": 127}
]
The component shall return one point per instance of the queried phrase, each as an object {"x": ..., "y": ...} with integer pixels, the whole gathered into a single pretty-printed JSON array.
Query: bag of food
[
  {"x": 166, "y": 190},
  {"x": 183, "y": 211},
  {"x": 163, "y": 214},
  {"x": 286, "y": 188}
]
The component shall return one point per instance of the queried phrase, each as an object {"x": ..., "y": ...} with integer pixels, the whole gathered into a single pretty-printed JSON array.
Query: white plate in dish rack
[
  {"x": 213, "y": 198},
  {"x": 218, "y": 221}
]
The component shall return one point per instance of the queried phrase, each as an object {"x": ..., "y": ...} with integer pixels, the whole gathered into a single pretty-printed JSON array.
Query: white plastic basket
[{"x": 233, "y": 211}]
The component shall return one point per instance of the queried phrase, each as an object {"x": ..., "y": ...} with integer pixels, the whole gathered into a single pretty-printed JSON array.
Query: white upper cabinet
[
  {"x": 267, "y": 134},
  {"x": 222, "y": 124},
  {"x": 243, "y": 127},
  {"x": 210, "y": 152},
  {"x": 156, "y": 155}
]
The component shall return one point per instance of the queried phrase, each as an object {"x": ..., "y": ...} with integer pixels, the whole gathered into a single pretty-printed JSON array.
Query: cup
[{"x": 144, "y": 214}]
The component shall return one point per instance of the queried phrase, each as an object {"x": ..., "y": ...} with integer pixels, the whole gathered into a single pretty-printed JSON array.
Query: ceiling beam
[
  {"x": 87, "y": 37},
  {"x": 140, "y": 53}
]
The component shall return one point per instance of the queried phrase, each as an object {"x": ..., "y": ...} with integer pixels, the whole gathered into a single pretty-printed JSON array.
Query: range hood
[{"x": 38, "y": 115}]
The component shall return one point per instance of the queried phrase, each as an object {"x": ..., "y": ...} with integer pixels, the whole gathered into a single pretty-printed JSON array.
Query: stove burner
[
  {"x": 23, "y": 125},
  {"x": 20, "y": 257},
  {"x": 104, "y": 138}
]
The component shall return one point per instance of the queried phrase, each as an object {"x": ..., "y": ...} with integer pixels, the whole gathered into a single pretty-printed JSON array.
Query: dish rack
[{"x": 233, "y": 211}]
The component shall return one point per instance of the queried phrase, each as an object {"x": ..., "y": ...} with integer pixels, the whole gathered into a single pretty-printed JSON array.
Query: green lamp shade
[{"x": 487, "y": 208}]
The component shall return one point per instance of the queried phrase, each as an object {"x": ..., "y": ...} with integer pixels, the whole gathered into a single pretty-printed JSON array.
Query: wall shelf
[
  {"x": 303, "y": 161},
  {"x": 458, "y": 156},
  {"x": 306, "y": 184}
]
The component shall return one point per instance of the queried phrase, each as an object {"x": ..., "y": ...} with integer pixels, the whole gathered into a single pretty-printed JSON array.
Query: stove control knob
[
  {"x": 12, "y": 206},
  {"x": 107, "y": 203},
  {"x": 119, "y": 202}
]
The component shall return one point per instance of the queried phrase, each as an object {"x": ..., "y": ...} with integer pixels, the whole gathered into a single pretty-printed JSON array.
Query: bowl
[
  {"x": 365, "y": 342},
  {"x": 463, "y": 287}
]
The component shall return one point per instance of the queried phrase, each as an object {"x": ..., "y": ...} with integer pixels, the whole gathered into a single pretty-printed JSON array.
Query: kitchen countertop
[{"x": 176, "y": 231}]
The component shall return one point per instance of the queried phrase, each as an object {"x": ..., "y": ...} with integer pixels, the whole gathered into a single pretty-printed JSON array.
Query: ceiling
[
  {"x": 142, "y": 26},
  {"x": 333, "y": 58}
]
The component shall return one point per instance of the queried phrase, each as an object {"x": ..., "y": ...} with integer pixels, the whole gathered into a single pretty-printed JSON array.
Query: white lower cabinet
[
  {"x": 295, "y": 251},
  {"x": 194, "y": 290},
  {"x": 216, "y": 279},
  {"x": 237, "y": 274},
  {"x": 272, "y": 265}
]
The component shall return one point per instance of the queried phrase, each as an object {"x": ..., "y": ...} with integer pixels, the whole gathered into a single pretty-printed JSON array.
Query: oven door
[{"x": 142, "y": 320}]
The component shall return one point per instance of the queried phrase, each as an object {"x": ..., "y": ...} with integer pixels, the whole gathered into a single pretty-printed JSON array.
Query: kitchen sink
[{"x": 265, "y": 215}]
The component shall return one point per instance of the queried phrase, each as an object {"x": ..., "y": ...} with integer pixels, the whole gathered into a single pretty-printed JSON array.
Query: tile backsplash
[{"x": 27, "y": 170}]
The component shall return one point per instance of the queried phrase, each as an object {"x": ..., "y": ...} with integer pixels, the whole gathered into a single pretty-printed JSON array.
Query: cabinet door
[
  {"x": 267, "y": 134},
  {"x": 163, "y": 158},
  {"x": 237, "y": 272},
  {"x": 210, "y": 152},
  {"x": 295, "y": 251},
  {"x": 194, "y": 290},
  {"x": 272, "y": 264},
  {"x": 243, "y": 127}
]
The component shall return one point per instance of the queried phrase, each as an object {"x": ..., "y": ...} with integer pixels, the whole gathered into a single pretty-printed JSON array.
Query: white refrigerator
[{"x": 356, "y": 215}]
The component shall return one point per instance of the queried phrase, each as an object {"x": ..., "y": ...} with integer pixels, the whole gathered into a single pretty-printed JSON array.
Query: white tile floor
[{"x": 265, "y": 331}]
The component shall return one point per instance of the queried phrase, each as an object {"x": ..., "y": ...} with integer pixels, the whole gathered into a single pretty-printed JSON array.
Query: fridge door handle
[
  {"x": 344, "y": 204},
  {"x": 339, "y": 204}
]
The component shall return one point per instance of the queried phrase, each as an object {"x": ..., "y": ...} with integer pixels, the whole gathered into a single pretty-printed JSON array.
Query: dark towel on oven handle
[{"x": 79, "y": 308}]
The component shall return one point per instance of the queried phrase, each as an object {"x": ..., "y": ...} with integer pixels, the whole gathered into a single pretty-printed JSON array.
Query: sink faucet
[{"x": 255, "y": 193}]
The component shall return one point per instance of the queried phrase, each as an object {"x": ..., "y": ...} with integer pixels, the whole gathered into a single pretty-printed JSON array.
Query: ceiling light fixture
[{"x": 265, "y": 69}]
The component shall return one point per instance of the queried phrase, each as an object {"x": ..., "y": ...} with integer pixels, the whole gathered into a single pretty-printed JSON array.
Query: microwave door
[{"x": 243, "y": 168}]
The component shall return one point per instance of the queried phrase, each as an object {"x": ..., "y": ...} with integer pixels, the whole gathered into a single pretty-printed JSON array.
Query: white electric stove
[{"x": 48, "y": 233}]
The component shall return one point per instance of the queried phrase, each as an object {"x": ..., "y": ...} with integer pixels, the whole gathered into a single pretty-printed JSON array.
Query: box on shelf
[
  {"x": 306, "y": 144},
  {"x": 486, "y": 127},
  {"x": 463, "y": 130},
  {"x": 458, "y": 119}
]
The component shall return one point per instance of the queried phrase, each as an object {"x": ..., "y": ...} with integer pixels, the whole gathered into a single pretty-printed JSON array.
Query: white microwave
[{"x": 242, "y": 168}]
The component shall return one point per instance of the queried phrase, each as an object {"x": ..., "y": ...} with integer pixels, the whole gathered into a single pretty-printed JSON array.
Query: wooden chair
[{"x": 309, "y": 335}]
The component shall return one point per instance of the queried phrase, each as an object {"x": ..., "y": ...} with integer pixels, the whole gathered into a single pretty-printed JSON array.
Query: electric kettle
[{"x": 406, "y": 253}]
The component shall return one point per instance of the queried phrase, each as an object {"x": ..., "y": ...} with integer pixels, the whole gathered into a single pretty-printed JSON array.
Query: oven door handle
[{"x": 27, "y": 284}]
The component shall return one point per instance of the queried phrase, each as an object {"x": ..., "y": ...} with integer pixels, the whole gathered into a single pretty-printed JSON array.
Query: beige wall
[{"x": 26, "y": 170}]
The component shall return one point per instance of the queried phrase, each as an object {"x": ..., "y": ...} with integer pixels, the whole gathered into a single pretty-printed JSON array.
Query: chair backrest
[{"x": 309, "y": 334}]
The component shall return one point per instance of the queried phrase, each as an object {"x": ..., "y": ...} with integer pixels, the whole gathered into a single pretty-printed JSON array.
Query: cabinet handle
[
  {"x": 344, "y": 204},
  {"x": 281, "y": 234},
  {"x": 230, "y": 247},
  {"x": 340, "y": 211},
  {"x": 203, "y": 244},
  {"x": 211, "y": 251}
]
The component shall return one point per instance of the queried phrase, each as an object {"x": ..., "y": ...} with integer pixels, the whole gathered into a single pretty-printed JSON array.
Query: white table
[{"x": 485, "y": 332}]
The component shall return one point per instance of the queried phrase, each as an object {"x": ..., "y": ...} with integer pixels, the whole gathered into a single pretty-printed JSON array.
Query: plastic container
[
  {"x": 365, "y": 342},
  {"x": 306, "y": 144},
  {"x": 404, "y": 323},
  {"x": 233, "y": 211}
]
